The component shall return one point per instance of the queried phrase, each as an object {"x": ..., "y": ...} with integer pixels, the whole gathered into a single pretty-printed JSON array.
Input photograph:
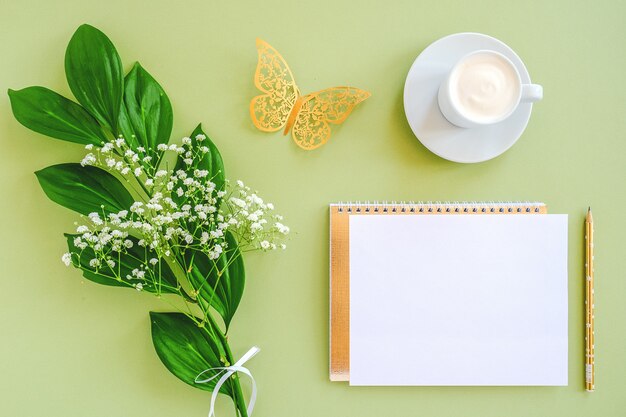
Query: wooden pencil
[{"x": 589, "y": 306}]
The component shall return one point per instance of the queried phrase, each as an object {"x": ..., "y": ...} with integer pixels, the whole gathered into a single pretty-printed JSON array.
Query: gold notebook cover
[{"x": 340, "y": 259}]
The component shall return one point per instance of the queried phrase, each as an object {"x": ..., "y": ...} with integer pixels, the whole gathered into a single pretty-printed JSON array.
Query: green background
[{"x": 72, "y": 348}]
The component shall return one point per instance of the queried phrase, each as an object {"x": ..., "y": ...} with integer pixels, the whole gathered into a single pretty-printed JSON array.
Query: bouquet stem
[{"x": 238, "y": 398}]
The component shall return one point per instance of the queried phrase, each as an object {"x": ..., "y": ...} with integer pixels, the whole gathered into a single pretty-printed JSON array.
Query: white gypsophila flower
[
  {"x": 186, "y": 141},
  {"x": 216, "y": 233},
  {"x": 95, "y": 218},
  {"x": 216, "y": 252},
  {"x": 137, "y": 172},
  {"x": 94, "y": 263},
  {"x": 67, "y": 259},
  {"x": 238, "y": 202},
  {"x": 256, "y": 199},
  {"x": 154, "y": 206},
  {"x": 265, "y": 244},
  {"x": 281, "y": 228},
  {"x": 136, "y": 206},
  {"x": 89, "y": 159},
  {"x": 200, "y": 137},
  {"x": 139, "y": 286},
  {"x": 89, "y": 146},
  {"x": 162, "y": 147}
]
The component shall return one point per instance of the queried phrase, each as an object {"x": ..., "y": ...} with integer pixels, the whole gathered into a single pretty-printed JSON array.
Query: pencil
[{"x": 589, "y": 306}]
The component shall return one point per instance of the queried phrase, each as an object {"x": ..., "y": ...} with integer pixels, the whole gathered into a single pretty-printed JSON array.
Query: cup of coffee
[{"x": 484, "y": 88}]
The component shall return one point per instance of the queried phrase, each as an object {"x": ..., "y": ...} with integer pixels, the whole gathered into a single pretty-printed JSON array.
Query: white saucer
[{"x": 431, "y": 127}]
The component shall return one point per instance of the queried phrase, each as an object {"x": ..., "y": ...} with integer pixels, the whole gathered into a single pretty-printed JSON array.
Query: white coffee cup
[{"x": 483, "y": 88}]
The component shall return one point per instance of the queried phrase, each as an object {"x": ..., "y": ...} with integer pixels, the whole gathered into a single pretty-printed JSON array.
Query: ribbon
[{"x": 226, "y": 372}]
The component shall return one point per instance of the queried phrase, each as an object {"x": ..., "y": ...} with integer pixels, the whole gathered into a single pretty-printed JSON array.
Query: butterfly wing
[
  {"x": 270, "y": 111},
  {"x": 311, "y": 128}
]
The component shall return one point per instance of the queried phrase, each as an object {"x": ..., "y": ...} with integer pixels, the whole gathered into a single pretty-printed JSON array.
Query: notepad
[{"x": 459, "y": 299}]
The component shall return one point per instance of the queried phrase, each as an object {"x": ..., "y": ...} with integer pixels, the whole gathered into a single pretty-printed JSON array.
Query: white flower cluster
[
  {"x": 182, "y": 210},
  {"x": 248, "y": 217}
]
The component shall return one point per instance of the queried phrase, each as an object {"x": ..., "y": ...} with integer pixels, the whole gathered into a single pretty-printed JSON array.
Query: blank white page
[{"x": 458, "y": 299}]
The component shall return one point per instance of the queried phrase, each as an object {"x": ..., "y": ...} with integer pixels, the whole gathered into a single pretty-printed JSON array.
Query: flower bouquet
[{"x": 156, "y": 217}]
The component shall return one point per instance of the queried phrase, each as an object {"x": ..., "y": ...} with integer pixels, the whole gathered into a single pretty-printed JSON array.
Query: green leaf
[
  {"x": 220, "y": 282},
  {"x": 84, "y": 189},
  {"x": 125, "y": 262},
  {"x": 51, "y": 114},
  {"x": 146, "y": 111},
  {"x": 212, "y": 162},
  {"x": 186, "y": 349},
  {"x": 94, "y": 73}
]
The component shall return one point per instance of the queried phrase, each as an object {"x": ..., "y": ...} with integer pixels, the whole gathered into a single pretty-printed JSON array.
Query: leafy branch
[{"x": 170, "y": 232}]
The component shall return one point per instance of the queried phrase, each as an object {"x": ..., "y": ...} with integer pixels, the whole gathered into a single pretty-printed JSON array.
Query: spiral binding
[{"x": 450, "y": 207}]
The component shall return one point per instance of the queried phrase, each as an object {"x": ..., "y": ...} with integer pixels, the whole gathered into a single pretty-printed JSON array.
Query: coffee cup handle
[{"x": 531, "y": 93}]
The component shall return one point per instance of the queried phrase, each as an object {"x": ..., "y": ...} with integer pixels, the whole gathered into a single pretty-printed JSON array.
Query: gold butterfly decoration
[{"x": 281, "y": 105}]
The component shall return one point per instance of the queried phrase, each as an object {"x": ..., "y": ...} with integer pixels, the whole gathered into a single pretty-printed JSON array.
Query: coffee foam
[{"x": 484, "y": 87}]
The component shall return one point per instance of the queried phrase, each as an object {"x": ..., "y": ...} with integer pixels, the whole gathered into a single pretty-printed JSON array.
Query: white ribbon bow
[{"x": 227, "y": 372}]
